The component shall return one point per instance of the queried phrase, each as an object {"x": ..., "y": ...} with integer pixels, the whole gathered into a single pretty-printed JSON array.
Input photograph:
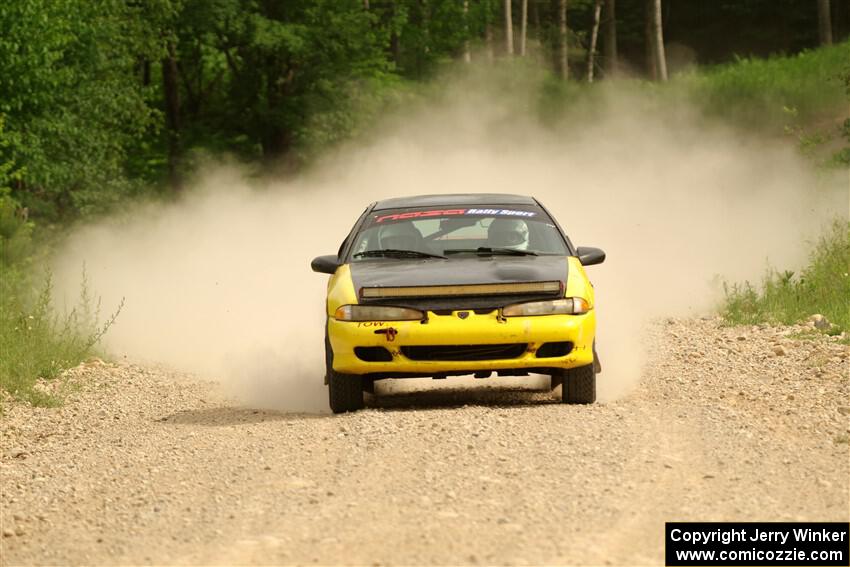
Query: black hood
[{"x": 459, "y": 271}]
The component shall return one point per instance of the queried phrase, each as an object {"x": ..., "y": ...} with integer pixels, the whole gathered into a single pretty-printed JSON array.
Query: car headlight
[
  {"x": 377, "y": 313},
  {"x": 568, "y": 306}
]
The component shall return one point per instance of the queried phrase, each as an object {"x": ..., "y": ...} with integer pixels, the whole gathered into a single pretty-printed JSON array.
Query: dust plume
[{"x": 219, "y": 283}]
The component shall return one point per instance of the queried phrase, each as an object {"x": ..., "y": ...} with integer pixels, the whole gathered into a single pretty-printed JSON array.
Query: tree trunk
[
  {"x": 535, "y": 18},
  {"x": 656, "y": 59},
  {"x": 649, "y": 41},
  {"x": 824, "y": 23},
  {"x": 395, "y": 44},
  {"x": 610, "y": 44},
  {"x": 523, "y": 28},
  {"x": 276, "y": 137},
  {"x": 563, "y": 68},
  {"x": 594, "y": 34},
  {"x": 171, "y": 91},
  {"x": 658, "y": 42},
  {"x": 509, "y": 29},
  {"x": 488, "y": 40},
  {"x": 467, "y": 56},
  {"x": 426, "y": 24},
  {"x": 146, "y": 73}
]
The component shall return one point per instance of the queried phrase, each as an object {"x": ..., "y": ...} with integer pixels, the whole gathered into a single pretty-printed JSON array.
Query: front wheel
[
  {"x": 579, "y": 385},
  {"x": 345, "y": 391}
]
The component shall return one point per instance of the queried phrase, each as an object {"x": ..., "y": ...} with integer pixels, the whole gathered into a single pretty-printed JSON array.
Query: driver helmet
[
  {"x": 400, "y": 236},
  {"x": 508, "y": 233}
]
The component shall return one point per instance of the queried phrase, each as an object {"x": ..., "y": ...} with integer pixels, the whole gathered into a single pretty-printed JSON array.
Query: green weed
[
  {"x": 785, "y": 297},
  {"x": 35, "y": 340}
]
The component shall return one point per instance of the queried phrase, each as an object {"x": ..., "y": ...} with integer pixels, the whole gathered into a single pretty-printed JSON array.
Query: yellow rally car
[{"x": 440, "y": 285}]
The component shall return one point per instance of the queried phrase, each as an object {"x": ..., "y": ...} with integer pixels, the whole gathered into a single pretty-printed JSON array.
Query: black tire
[
  {"x": 345, "y": 391},
  {"x": 597, "y": 365},
  {"x": 579, "y": 385}
]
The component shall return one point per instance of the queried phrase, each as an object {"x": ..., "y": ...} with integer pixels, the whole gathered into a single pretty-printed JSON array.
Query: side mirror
[
  {"x": 589, "y": 256},
  {"x": 325, "y": 264}
]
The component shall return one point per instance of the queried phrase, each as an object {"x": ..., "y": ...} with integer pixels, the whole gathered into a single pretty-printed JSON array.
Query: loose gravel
[{"x": 145, "y": 466}]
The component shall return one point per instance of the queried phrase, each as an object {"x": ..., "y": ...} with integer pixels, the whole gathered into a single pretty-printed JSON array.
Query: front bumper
[{"x": 475, "y": 329}]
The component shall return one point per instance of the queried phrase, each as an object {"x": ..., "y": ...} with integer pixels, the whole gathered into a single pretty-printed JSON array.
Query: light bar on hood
[{"x": 461, "y": 290}]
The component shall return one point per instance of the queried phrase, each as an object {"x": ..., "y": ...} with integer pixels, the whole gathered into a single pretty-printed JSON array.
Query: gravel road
[{"x": 145, "y": 466}]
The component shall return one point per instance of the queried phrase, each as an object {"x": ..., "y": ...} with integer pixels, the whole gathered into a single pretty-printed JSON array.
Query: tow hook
[{"x": 389, "y": 332}]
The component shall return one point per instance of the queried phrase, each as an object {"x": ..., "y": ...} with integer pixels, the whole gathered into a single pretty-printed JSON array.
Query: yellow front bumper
[{"x": 452, "y": 330}]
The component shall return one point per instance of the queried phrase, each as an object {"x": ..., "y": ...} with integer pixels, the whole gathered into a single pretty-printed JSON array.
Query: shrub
[
  {"x": 35, "y": 341},
  {"x": 785, "y": 297}
]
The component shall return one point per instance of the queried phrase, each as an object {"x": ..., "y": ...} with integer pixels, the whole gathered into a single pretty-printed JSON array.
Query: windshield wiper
[
  {"x": 486, "y": 251},
  {"x": 395, "y": 253}
]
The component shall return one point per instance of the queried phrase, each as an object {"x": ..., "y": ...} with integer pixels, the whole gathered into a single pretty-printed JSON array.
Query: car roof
[{"x": 454, "y": 199}]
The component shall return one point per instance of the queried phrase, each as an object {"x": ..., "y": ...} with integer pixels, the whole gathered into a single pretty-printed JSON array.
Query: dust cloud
[{"x": 219, "y": 283}]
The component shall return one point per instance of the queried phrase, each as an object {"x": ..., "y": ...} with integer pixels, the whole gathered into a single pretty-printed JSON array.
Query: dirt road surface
[{"x": 143, "y": 466}]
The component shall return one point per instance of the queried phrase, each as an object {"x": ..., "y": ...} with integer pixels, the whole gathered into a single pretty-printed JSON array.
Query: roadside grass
[
  {"x": 36, "y": 341},
  {"x": 785, "y": 297},
  {"x": 804, "y": 96}
]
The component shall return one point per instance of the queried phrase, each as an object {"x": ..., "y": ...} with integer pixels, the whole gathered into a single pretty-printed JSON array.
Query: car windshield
[{"x": 515, "y": 230}]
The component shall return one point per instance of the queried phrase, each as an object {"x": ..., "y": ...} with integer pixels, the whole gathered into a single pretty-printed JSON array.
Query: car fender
[
  {"x": 340, "y": 290},
  {"x": 578, "y": 285}
]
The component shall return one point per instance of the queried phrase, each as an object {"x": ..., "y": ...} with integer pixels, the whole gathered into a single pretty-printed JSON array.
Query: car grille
[
  {"x": 464, "y": 352},
  {"x": 485, "y": 311}
]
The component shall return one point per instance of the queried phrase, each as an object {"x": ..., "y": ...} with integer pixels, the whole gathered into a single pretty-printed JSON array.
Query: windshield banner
[{"x": 453, "y": 212}]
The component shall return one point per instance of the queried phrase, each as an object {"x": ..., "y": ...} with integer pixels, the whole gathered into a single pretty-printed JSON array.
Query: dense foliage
[
  {"x": 71, "y": 112},
  {"x": 101, "y": 99}
]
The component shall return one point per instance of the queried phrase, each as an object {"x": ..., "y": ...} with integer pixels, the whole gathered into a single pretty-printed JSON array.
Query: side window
[
  {"x": 362, "y": 242},
  {"x": 351, "y": 234}
]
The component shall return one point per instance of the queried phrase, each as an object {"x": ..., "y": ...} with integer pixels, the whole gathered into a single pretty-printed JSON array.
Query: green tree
[
  {"x": 71, "y": 112},
  {"x": 273, "y": 65}
]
